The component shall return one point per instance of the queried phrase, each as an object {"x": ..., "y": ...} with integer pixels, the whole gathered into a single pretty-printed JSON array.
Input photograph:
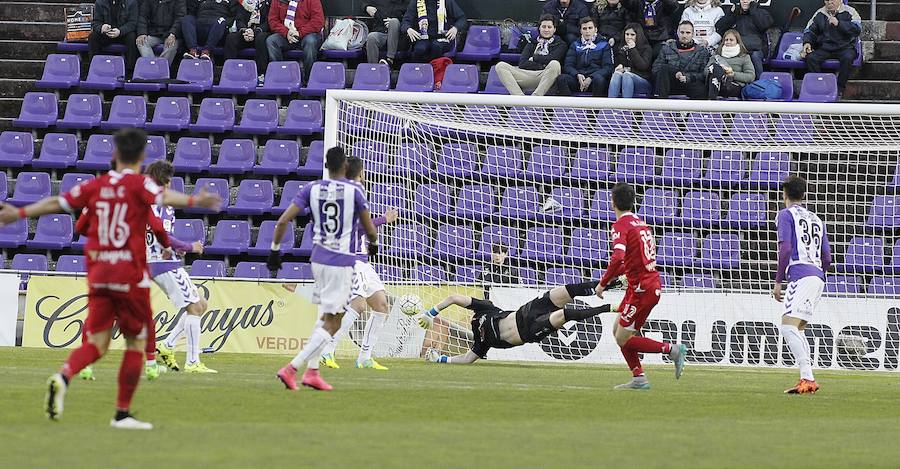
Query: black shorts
[{"x": 533, "y": 319}]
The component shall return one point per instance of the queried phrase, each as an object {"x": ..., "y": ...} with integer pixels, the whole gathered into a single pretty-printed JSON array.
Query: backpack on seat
[{"x": 767, "y": 89}]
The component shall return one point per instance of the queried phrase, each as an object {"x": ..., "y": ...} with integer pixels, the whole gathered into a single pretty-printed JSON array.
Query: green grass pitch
[{"x": 491, "y": 415}]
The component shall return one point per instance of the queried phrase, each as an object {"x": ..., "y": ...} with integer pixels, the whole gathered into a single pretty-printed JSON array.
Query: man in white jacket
[{"x": 703, "y": 14}]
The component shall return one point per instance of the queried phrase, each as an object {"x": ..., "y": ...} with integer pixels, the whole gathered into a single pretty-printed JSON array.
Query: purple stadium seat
[
  {"x": 571, "y": 203},
  {"x": 416, "y": 158},
  {"x": 432, "y": 200},
  {"x": 677, "y": 249},
  {"x": 591, "y": 164},
  {"x": 39, "y": 111},
  {"x": 415, "y": 78},
  {"x": 387, "y": 196},
  {"x": 502, "y": 161},
  {"x": 564, "y": 275},
  {"x": 83, "y": 111},
  {"x": 430, "y": 274},
  {"x": 894, "y": 268},
  {"x": 288, "y": 192},
  {"x": 14, "y": 234},
  {"x": 467, "y": 274},
  {"x": 659, "y": 206},
  {"x": 520, "y": 203},
  {"x": 681, "y": 168},
  {"x": 769, "y": 169},
  {"x": 572, "y": 120},
  {"x": 30, "y": 187},
  {"x": 701, "y": 209},
  {"x": 264, "y": 239},
  {"x": 526, "y": 119},
  {"x": 126, "y": 111},
  {"x": 475, "y": 202},
  {"x": 751, "y": 127},
  {"x": 216, "y": 115},
  {"x": 636, "y": 165},
  {"x": 189, "y": 230},
  {"x": 529, "y": 277},
  {"x": 70, "y": 180},
  {"x": 71, "y": 263},
  {"x": 198, "y": 74},
  {"x": 58, "y": 151},
  {"x": 61, "y": 72},
  {"x": 97, "y": 153},
  {"x": 16, "y": 149},
  {"x": 254, "y": 197},
  {"x": 150, "y": 74},
  {"x": 704, "y": 126},
  {"x": 721, "y": 251},
  {"x": 494, "y": 85},
  {"x": 325, "y": 76},
  {"x": 207, "y": 268},
  {"x": 843, "y": 284},
  {"x": 31, "y": 262},
  {"x": 785, "y": 79},
  {"x": 238, "y": 77},
  {"x": 4, "y": 190},
  {"x": 156, "y": 149},
  {"x": 546, "y": 163},
  {"x": 660, "y": 124},
  {"x": 454, "y": 242},
  {"x": 748, "y": 210},
  {"x": 458, "y": 160},
  {"x": 66, "y": 46},
  {"x": 107, "y": 72},
  {"x": 408, "y": 241},
  {"x": 247, "y": 269},
  {"x": 819, "y": 88},
  {"x": 516, "y": 43},
  {"x": 219, "y": 186},
  {"x": 698, "y": 281},
  {"x": 279, "y": 157},
  {"x": 306, "y": 244},
  {"x": 231, "y": 237},
  {"x": 613, "y": 123},
  {"x": 587, "y": 247},
  {"x": 726, "y": 169},
  {"x": 884, "y": 286},
  {"x": 282, "y": 78},
  {"x": 787, "y": 39},
  {"x": 391, "y": 273},
  {"x": 795, "y": 128},
  {"x": 192, "y": 155},
  {"x": 374, "y": 154},
  {"x": 304, "y": 117},
  {"x": 177, "y": 184},
  {"x": 53, "y": 232},
  {"x": 885, "y": 212},
  {"x": 482, "y": 44},
  {"x": 601, "y": 206},
  {"x": 497, "y": 235},
  {"x": 314, "y": 165},
  {"x": 863, "y": 255},
  {"x": 172, "y": 114},
  {"x": 236, "y": 156},
  {"x": 372, "y": 77},
  {"x": 295, "y": 271},
  {"x": 459, "y": 78},
  {"x": 260, "y": 117},
  {"x": 544, "y": 244}
]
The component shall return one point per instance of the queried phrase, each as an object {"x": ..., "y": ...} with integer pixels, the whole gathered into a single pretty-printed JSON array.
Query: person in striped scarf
[
  {"x": 295, "y": 24},
  {"x": 432, "y": 27}
]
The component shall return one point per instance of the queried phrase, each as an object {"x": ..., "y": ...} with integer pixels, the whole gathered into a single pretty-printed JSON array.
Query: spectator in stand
[
  {"x": 386, "y": 31},
  {"x": 704, "y": 14},
  {"x": 252, "y": 29},
  {"x": 159, "y": 22},
  {"x": 426, "y": 21},
  {"x": 295, "y": 25},
  {"x": 633, "y": 60},
  {"x": 657, "y": 17},
  {"x": 731, "y": 68},
  {"x": 498, "y": 271},
  {"x": 751, "y": 21},
  {"x": 541, "y": 62},
  {"x": 589, "y": 63},
  {"x": 206, "y": 28},
  {"x": 568, "y": 14},
  {"x": 681, "y": 65},
  {"x": 832, "y": 33},
  {"x": 610, "y": 16},
  {"x": 115, "y": 21}
]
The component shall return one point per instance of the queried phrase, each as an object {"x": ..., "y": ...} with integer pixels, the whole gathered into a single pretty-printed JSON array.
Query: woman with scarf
[
  {"x": 731, "y": 68},
  {"x": 589, "y": 63},
  {"x": 704, "y": 14},
  {"x": 432, "y": 26},
  {"x": 540, "y": 64},
  {"x": 633, "y": 60}
]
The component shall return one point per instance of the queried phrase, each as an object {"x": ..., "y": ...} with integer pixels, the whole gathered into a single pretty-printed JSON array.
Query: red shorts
[
  {"x": 636, "y": 306},
  {"x": 130, "y": 310}
]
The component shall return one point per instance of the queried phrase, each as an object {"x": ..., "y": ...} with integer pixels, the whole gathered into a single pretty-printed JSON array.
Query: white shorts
[
  {"x": 366, "y": 281},
  {"x": 332, "y": 288},
  {"x": 177, "y": 285},
  {"x": 802, "y": 297}
]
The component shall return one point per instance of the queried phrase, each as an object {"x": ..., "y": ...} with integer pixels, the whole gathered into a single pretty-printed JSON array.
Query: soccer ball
[{"x": 410, "y": 305}]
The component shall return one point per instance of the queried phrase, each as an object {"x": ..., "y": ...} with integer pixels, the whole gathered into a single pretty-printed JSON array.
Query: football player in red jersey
[
  {"x": 634, "y": 253},
  {"x": 118, "y": 205}
]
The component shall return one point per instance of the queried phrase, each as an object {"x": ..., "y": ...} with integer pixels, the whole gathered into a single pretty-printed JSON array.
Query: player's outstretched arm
[
  {"x": 426, "y": 318},
  {"x": 281, "y": 226},
  {"x": 432, "y": 355},
  {"x": 371, "y": 231},
  {"x": 10, "y": 214},
  {"x": 204, "y": 199}
]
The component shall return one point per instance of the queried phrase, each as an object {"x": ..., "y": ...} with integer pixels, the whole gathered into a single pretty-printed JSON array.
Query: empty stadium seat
[
  {"x": 493, "y": 84},
  {"x": 53, "y": 232},
  {"x": 454, "y": 242},
  {"x": 126, "y": 111},
  {"x": 543, "y": 244},
  {"x": 14, "y": 234},
  {"x": 864, "y": 255},
  {"x": 304, "y": 117},
  {"x": 288, "y": 192},
  {"x": 197, "y": 73},
  {"x": 503, "y": 161},
  {"x": 30, "y": 187},
  {"x": 843, "y": 284},
  {"x": 216, "y": 116},
  {"x": 415, "y": 77},
  {"x": 885, "y": 212},
  {"x": 295, "y": 271},
  {"x": 58, "y": 151},
  {"x": 795, "y": 128},
  {"x": 591, "y": 164},
  {"x": 231, "y": 237},
  {"x": 107, "y": 72},
  {"x": 563, "y": 275},
  {"x": 747, "y": 210},
  {"x": 189, "y": 230},
  {"x": 819, "y": 88},
  {"x": 216, "y": 185},
  {"x": 704, "y": 126},
  {"x": 884, "y": 286},
  {"x": 681, "y": 167},
  {"x": 97, "y": 153},
  {"x": 659, "y": 206},
  {"x": 375, "y": 77},
  {"x": 636, "y": 165},
  {"x": 458, "y": 160},
  {"x": 721, "y": 251},
  {"x": 4, "y": 190},
  {"x": 177, "y": 184},
  {"x": 751, "y": 127},
  {"x": 207, "y": 268},
  {"x": 545, "y": 163},
  {"x": 475, "y": 202},
  {"x": 259, "y": 117},
  {"x": 408, "y": 241},
  {"x": 150, "y": 74},
  {"x": 305, "y": 247},
  {"x": 701, "y": 209},
  {"x": 266, "y": 234},
  {"x": 493, "y": 235},
  {"x": 660, "y": 124},
  {"x": 467, "y": 274},
  {"x": 587, "y": 247},
  {"x": 324, "y": 76},
  {"x": 482, "y": 44},
  {"x": 698, "y": 281},
  {"x": 391, "y": 273},
  {"x": 16, "y": 149},
  {"x": 254, "y": 197},
  {"x": 433, "y": 200},
  {"x": 238, "y": 77},
  {"x": 192, "y": 155},
  {"x": 71, "y": 263},
  {"x": 30, "y": 262},
  {"x": 251, "y": 270},
  {"x": 677, "y": 249},
  {"x": 520, "y": 203},
  {"x": 567, "y": 203},
  {"x": 460, "y": 78},
  {"x": 83, "y": 111},
  {"x": 236, "y": 156},
  {"x": 39, "y": 111},
  {"x": 601, "y": 206},
  {"x": 769, "y": 169},
  {"x": 61, "y": 71},
  {"x": 172, "y": 114},
  {"x": 282, "y": 78},
  {"x": 725, "y": 169},
  {"x": 70, "y": 180},
  {"x": 279, "y": 157},
  {"x": 430, "y": 274},
  {"x": 387, "y": 196},
  {"x": 314, "y": 165}
]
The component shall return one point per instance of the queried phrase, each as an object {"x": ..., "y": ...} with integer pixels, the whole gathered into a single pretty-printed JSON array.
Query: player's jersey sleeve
[
  {"x": 480, "y": 307},
  {"x": 785, "y": 224},
  {"x": 360, "y": 203},
  {"x": 618, "y": 237},
  {"x": 301, "y": 200},
  {"x": 78, "y": 198},
  {"x": 149, "y": 193}
]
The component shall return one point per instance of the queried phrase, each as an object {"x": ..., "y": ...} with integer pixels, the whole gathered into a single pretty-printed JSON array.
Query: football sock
[
  {"x": 800, "y": 348},
  {"x": 582, "y": 289},
  {"x": 370, "y": 337},
  {"x": 129, "y": 375},
  {"x": 173, "y": 337},
  {"x": 81, "y": 357},
  {"x": 192, "y": 332},
  {"x": 647, "y": 345},
  {"x": 317, "y": 340},
  {"x": 150, "y": 362},
  {"x": 633, "y": 361},
  {"x": 350, "y": 316},
  {"x": 573, "y": 314},
  {"x": 150, "y": 344}
]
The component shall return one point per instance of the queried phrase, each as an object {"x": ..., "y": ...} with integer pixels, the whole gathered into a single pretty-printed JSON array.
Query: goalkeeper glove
[
  {"x": 426, "y": 318},
  {"x": 432, "y": 355},
  {"x": 274, "y": 261},
  {"x": 373, "y": 249}
]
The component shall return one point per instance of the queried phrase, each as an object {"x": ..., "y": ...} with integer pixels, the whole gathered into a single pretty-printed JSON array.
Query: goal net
[{"x": 504, "y": 197}]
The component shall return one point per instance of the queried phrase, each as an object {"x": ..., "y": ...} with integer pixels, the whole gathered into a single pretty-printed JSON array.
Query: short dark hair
[
  {"x": 686, "y": 22},
  {"x": 335, "y": 159},
  {"x": 161, "y": 171},
  {"x": 586, "y": 19},
  {"x": 623, "y": 197},
  {"x": 130, "y": 144},
  {"x": 547, "y": 17},
  {"x": 500, "y": 247},
  {"x": 794, "y": 187},
  {"x": 354, "y": 167}
]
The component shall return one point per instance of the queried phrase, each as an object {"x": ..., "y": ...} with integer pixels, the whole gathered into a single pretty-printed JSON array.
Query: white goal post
[{"x": 476, "y": 177}]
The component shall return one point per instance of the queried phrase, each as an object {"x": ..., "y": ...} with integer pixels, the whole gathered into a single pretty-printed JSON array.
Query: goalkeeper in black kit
[{"x": 493, "y": 327}]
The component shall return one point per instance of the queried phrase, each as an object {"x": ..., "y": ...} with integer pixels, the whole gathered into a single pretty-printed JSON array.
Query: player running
[
  {"x": 804, "y": 256},
  {"x": 368, "y": 289},
  {"x": 337, "y": 206},
  {"x": 119, "y": 289},
  {"x": 169, "y": 274},
  {"x": 634, "y": 254},
  {"x": 493, "y": 327}
]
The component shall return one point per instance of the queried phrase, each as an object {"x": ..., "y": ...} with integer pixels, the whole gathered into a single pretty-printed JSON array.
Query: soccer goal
[{"x": 504, "y": 196}]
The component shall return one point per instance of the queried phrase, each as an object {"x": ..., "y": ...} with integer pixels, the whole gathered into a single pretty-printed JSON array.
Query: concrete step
[
  {"x": 880, "y": 70},
  {"x": 21, "y": 69},
  {"x": 26, "y": 49},
  {"x": 30, "y": 11},
  {"x": 885, "y": 11},
  {"x": 887, "y": 50},
  {"x": 33, "y": 31},
  {"x": 15, "y": 87},
  {"x": 873, "y": 90}
]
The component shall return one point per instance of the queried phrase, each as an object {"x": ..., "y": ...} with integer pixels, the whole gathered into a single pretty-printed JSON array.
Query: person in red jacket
[{"x": 295, "y": 24}]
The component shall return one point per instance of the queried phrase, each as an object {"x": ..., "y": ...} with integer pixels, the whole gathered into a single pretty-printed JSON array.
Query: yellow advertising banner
[{"x": 246, "y": 317}]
